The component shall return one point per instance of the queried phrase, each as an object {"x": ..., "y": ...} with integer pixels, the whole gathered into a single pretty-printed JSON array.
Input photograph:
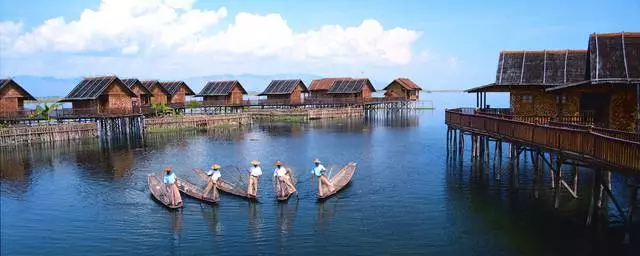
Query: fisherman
[
  {"x": 320, "y": 172},
  {"x": 283, "y": 176},
  {"x": 172, "y": 187},
  {"x": 214, "y": 176},
  {"x": 254, "y": 173}
]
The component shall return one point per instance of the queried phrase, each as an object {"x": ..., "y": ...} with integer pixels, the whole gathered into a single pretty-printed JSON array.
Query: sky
[{"x": 438, "y": 44}]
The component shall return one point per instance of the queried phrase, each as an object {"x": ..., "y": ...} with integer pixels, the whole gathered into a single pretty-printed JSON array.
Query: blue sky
[{"x": 449, "y": 44}]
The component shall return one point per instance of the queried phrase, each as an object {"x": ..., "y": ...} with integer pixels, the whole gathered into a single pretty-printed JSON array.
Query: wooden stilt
[{"x": 594, "y": 205}]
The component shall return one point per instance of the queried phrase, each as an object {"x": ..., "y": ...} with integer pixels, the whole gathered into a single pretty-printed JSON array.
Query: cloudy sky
[{"x": 440, "y": 44}]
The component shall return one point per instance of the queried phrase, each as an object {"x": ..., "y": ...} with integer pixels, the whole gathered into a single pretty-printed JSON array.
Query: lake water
[{"x": 82, "y": 198}]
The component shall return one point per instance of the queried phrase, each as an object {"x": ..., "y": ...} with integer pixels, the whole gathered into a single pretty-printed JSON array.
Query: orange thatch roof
[
  {"x": 405, "y": 83},
  {"x": 324, "y": 83}
]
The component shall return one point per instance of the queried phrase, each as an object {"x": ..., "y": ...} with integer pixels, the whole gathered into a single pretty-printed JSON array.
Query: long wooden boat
[
  {"x": 157, "y": 188},
  {"x": 286, "y": 196},
  {"x": 340, "y": 180},
  {"x": 195, "y": 192},
  {"x": 223, "y": 186}
]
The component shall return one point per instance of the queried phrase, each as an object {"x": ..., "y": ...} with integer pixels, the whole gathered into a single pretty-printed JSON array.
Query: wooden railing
[
  {"x": 89, "y": 112},
  {"x": 590, "y": 143}
]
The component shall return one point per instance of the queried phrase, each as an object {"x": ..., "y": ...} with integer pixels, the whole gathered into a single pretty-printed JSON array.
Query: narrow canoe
[
  {"x": 286, "y": 196},
  {"x": 223, "y": 186},
  {"x": 194, "y": 191},
  {"x": 159, "y": 192},
  {"x": 340, "y": 180}
]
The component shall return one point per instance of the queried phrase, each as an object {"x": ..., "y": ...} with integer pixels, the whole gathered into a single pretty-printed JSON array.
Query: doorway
[{"x": 595, "y": 107}]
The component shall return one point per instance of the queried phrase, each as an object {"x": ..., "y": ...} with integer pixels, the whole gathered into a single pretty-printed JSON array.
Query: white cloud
[{"x": 175, "y": 31}]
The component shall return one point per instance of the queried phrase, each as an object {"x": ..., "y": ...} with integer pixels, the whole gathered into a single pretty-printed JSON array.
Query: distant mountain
[{"x": 52, "y": 86}]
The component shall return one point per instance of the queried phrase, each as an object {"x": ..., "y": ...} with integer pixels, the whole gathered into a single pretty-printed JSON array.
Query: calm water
[{"x": 406, "y": 198}]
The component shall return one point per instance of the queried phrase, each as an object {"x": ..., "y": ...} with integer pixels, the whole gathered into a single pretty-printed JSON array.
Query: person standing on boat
[
  {"x": 254, "y": 173},
  {"x": 172, "y": 187},
  {"x": 214, "y": 176},
  {"x": 320, "y": 172},
  {"x": 284, "y": 178}
]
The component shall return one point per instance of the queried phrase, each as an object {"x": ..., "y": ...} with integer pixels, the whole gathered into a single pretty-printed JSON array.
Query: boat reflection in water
[
  {"x": 255, "y": 222},
  {"x": 325, "y": 213},
  {"x": 285, "y": 217},
  {"x": 210, "y": 214},
  {"x": 176, "y": 226}
]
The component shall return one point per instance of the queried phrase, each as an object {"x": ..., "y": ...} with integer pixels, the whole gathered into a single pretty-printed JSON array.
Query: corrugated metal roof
[
  {"x": 216, "y": 88},
  {"x": 283, "y": 87},
  {"x": 173, "y": 86},
  {"x": 405, "y": 83},
  {"x": 131, "y": 82},
  {"x": 350, "y": 86},
  {"x": 324, "y": 83},
  {"x": 6, "y": 82},
  {"x": 91, "y": 88}
]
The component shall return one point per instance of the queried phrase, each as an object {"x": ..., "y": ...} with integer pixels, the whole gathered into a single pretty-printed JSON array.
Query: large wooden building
[
  {"x": 526, "y": 75},
  {"x": 178, "y": 90},
  {"x": 143, "y": 95},
  {"x": 12, "y": 97},
  {"x": 159, "y": 94},
  {"x": 285, "y": 91},
  {"x": 319, "y": 88},
  {"x": 610, "y": 91},
  {"x": 356, "y": 89},
  {"x": 402, "y": 88},
  {"x": 103, "y": 94},
  {"x": 222, "y": 93}
]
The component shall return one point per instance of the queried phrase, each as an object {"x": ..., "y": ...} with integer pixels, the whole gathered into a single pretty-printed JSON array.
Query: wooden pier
[{"x": 553, "y": 146}]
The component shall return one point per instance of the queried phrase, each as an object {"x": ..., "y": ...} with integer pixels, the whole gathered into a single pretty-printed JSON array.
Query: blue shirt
[
  {"x": 170, "y": 178},
  {"x": 318, "y": 170}
]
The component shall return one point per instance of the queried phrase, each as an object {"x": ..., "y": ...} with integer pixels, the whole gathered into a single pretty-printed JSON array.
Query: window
[
  {"x": 527, "y": 98},
  {"x": 561, "y": 99}
]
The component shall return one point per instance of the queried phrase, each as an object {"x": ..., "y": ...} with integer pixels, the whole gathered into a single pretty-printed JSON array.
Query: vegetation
[
  {"x": 44, "y": 111},
  {"x": 162, "y": 109}
]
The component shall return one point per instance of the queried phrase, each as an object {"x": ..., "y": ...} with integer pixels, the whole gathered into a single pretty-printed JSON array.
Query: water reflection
[
  {"x": 176, "y": 227},
  {"x": 393, "y": 118},
  {"x": 282, "y": 129},
  {"x": 325, "y": 212},
  {"x": 255, "y": 222},
  {"x": 210, "y": 214},
  {"x": 285, "y": 216}
]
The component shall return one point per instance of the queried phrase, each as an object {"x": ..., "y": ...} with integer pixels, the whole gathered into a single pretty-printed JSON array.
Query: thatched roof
[
  {"x": 131, "y": 82},
  {"x": 614, "y": 57},
  {"x": 279, "y": 87},
  {"x": 151, "y": 84},
  {"x": 405, "y": 83},
  {"x": 4, "y": 83},
  {"x": 91, "y": 88},
  {"x": 350, "y": 86},
  {"x": 174, "y": 86},
  {"x": 324, "y": 83},
  {"x": 220, "y": 88},
  {"x": 541, "y": 68}
]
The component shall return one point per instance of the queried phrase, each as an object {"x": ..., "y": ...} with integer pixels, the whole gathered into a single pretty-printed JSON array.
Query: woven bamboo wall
[
  {"x": 118, "y": 99},
  {"x": 571, "y": 104},
  {"x": 622, "y": 110},
  {"x": 158, "y": 96},
  {"x": 295, "y": 95},
  {"x": 209, "y": 100},
  {"x": 319, "y": 94},
  {"x": 9, "y": 99},
  {"x": 236, "y": 95},
  {"x": 85, "y": 104},
  {"x": 179, "y": 97},
  {"x": 366, "y": 92},
  {"x": 542, "y": 104},
  {"x": 396, "y": 90}
]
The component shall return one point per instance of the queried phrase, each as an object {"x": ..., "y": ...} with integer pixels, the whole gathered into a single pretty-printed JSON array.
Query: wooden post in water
[
  {"x": 596, "y": 193},
  {"x": 558, "y": 171},
  {"x": 575, "y": 178}
]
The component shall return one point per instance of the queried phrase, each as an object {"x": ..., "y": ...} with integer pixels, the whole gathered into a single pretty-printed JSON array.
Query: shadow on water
[{"x": 499, "y": 200}]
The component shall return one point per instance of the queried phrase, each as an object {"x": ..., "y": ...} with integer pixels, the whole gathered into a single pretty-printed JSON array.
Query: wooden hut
[
  {"x": 222, "y": 93},
  {"x": 178, "y": 90},
  {"x": 159, "y": 94},
  {"x": 526, "y": 75},
  {"x": 143, "y": 95},
  {"x": 610, "y": 92},
  {"x": 359, "y": 89},
  {"x": 102, "y": 94},
  {"x": 319, "y": 88},
  {"x": 285, "y": 91},
  {"x": 403, "y": 88},
  {"x": 12, "y": 97}
]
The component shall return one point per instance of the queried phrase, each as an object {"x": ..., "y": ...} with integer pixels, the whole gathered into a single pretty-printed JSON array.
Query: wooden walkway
[{"x": 615, "y": 149}]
